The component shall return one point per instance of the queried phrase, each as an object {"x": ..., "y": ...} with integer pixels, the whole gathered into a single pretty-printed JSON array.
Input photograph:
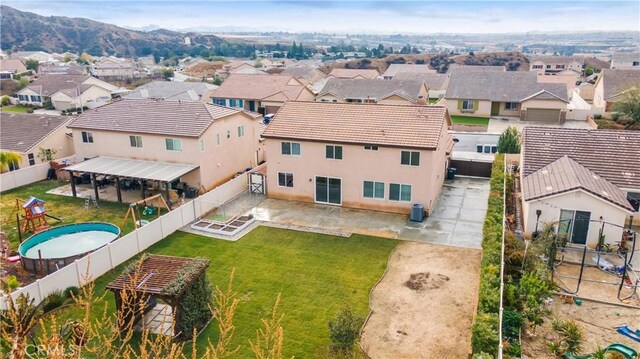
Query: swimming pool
[{"x": 56, "y": 247}]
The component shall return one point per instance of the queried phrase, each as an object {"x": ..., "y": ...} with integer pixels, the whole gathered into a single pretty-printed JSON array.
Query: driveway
[{"x": 457, "y": 217}]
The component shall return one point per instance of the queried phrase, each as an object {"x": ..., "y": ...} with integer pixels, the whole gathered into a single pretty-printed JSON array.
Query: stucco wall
[
  {"x": 397, "y": 100},
  {"x": 581, "y": 201},
  {"x": 545, "y": 104},
  {"x": 484, "y": 108}
]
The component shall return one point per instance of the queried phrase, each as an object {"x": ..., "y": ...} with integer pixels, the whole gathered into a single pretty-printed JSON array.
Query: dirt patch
[
  {"x": 597, "y": 321},
  {"x": 422, "y": 281},
  {"x": 425, "y": 305},
  {"x": 596, "y": 284}
]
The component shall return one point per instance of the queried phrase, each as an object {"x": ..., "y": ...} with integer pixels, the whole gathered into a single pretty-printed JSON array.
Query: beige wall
[
  {"x": 511, "y": 113},
  {"x": 217, "y": 162},
  {"x": 305, "y": 95},
  {"x": 57, "y": 140},
  {"x": 103, "y": 84},
  {"x": 397, "y": 100},
  {"x": 484, "y": 108},
  {"x": 581, "y": 201},
  {"x": 357, "y": 166},
  {"x": 598, "y": 95},
  {"x": 546, "y": 104}
]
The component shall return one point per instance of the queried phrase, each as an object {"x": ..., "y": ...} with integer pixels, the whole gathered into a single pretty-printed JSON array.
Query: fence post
[
  {"x": 110, "y": 255},
  {"x": 78, "y": 275},
  {"x": 39, "y": 291}
]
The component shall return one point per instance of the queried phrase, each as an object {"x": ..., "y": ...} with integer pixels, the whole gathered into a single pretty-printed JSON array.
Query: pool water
[{"x": 68, "y": 245}]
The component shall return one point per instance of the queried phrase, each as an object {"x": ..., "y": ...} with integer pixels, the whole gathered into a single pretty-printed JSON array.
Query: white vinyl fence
[
  {"x": 25, "y": 176},
  {"x": 124, "y": 248}
]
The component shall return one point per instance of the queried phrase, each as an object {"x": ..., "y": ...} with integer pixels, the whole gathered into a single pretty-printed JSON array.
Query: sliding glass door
[
  {"x": 328, "y": 190},
  {"x": 575, "y": 224}
]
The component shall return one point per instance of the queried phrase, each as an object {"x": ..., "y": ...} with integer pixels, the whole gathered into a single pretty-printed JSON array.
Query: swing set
[{"x": 151, "y": 206}]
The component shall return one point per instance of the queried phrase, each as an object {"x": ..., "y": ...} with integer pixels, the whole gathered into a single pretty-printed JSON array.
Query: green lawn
[
  {"x": 433, "y": 100},
  {"x": 14, "y": 109},
  {"x": 315, "y": 274},
  {"x": 70, "y": 209},
  {"x": 469, "y": 120}
]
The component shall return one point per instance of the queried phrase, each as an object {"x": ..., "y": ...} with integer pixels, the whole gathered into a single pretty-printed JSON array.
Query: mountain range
[{"x": 26, "y": 31}]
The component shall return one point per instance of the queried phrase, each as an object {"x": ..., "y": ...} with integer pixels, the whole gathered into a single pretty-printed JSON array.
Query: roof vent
[
  {"x": 604, "y": 193},
  {"x": 595, "y": 177},
  {"x": 549, "y": 188},
  {"x": 545, "y": 172}
]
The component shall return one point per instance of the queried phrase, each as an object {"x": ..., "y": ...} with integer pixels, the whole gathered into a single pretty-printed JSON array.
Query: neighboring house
[
  {"x": 370, "y": 156},
  {"x": 354, "y": 73},
  {"x": 567, "y": 77},
  {"x": 389, "y": 92},
  {"x": 625, "y": 60},
  {"x": 474, "y": 68},
  {"x": 9, "y": 68},
  {"x": 27, "y": 134},
  {"x": 113, "y": 68},
  {"x": 437, "y": 83},
  {"x": 395, "y": 69},
  {"x": 61, "y": 69},
  {"x": 576, "y": 178},
  {"x": 66, "y": 91},
  {"x": 40, "y": 56},
  {"x": 304, "y": 74},
  {"x": 611, "y": 86},
  {"x": 211, "y": 143},
  {"x": 508, "y": 94},
  {"x": 169, "y": 90},
  {"x": 260, "y": 93},
  {"x": 555, "y": 64}
]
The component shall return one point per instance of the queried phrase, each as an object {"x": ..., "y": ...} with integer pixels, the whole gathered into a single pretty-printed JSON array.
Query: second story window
[
  {"x": 135, "y": 141},
  {"x": 410, "y": 158},
  {"x": 87, "y": 137},
  {"x": 201, "y": 144},
  {"x": 333, "y": 152},
  {"x": 173, "y": 144},
  {"x": 371, "y": 147},
  {"x": 240, "y": 131},
  {"x": 290, "y": 148},
  {"x": 218, "y": 139}
]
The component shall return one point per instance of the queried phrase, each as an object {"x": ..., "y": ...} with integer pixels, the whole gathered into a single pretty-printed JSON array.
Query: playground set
[
  {"x": 151, "y": 206},
  {"x": 34, "y": 218}
]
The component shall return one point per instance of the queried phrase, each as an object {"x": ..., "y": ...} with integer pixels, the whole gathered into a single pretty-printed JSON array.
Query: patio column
[
  {"x": 118, "y": 192},
  {"x": 167, "y": 186},
  {"x": 95, "y": 185},
  {"x": 73, "y": 185}
]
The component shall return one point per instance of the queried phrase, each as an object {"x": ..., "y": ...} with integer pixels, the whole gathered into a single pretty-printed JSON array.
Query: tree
[
  {"x": 509, "y": 141},
  {"x": 32, "y": 65},
  {"x": 67, "y": 58},
  {"x": 5, "y": 101},
  {"x": 46, "y": 154},
  {"x": 167, "y": 73},
  {"x": 344, "y": 330},
  {"x": 8, "y": 158},
  {"x": 629, "y": 107},
  {"x": 588, "y": 71}
]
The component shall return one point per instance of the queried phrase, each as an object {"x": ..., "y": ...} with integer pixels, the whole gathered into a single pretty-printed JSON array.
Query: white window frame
[
  {"x": 135, "y": 141},
  {"x": 174, "y": 141},
  {"x": 371, "y": 147},
  {"x": 374, "y": 184},
  {"x": 87, "y": 137},
  {"x": 412, "y": 154},
  {"x": 201, "y": 145},
  {"x": 291, "y": 146},
  {"x": 466, "y": 103},
  {"x": 333, "y": 152},
  {"x": 291, "y": 177},
  {"x": 401, "y": 186},
  {"x": 218, "y": 139},
  {"x": 32, "y": 159},
  {"x": 240, "y": 131},
  {"x": 511, "y": 106}
]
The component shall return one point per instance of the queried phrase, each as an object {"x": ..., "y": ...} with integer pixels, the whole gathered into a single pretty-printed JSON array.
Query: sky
[{"x": 417, "y": 17}]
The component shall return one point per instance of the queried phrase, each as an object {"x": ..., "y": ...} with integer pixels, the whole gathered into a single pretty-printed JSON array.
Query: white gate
[{"x": 257, "y": 183}]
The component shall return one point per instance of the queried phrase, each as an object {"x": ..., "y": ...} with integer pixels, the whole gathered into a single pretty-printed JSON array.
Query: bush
[
  {"x": 53, "y": 301},
  {"x": 512, "y": 322},
  {"x": 5, "y": 101},
  {"x": 29, "y": 110},
  {"x": 571, "y": 336},
  {"x": 344, "y": 330},
  {"x": 484, "y": 333},
  {"x": 615, "y": 116},
  {"x": 48, "y": 105},
  {"x": 71, "y": 292},
  {"x": 597, "y": 117}
]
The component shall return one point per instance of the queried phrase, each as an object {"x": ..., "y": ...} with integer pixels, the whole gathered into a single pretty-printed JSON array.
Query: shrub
[
  {"x": 571, "y": 336},
  {"x": 597, "y": 117},
  {"x": 71, "y": 292},
  {"x": 484, "y": 333},
  {"x": 53, "y": 301},
  {"x": 344, "y": 330},
  {"x": 513, "y": 349},
  {"x": 48, "y": 105},
  {"x": 29, "y": 110},
  {"x": 615, "y": 116},
  {"x": 5, "y": 101},
  {"x": 512, "y": 322}
]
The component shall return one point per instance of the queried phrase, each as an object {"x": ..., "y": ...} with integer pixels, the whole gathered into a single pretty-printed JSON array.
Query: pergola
[
  {"x": 121, "y": 168},
  {"x": 166, "y": 278}
]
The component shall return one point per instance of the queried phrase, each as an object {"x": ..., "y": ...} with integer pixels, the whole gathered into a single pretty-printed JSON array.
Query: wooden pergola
[{"x": 166, "y": 278}]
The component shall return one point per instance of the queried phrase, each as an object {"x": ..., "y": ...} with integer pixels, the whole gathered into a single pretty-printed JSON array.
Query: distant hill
[{"x": 25, "y": 31}]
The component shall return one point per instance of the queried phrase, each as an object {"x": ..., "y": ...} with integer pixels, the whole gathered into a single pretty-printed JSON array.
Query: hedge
[{"x": 485, "y": 329}]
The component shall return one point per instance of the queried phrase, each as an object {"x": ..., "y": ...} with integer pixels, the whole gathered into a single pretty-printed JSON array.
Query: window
[
  {"x": 467, "y": 105},
  {"x": 548, "y": 66},
  {"x": 201, "y": 144},
  {"x": 410, "y": 158},
  {"x": 559, "y": 67},
  {"x": 87, "y": 137},
  {"x": 32, "y": 159},
  {"x": 537, "y": 67},
  {"x": 400, "y": 192},
  {"x": 373, "y": 190},
  {"x": 240, "y": 103},
  {"x": 218, "y": 139},
  {"x": 23, "y": 98},
  {"x": 371, "y": 147},
  {"x": 511, "y": 106},
  {"x": 494, "y": 149},
  {"x": 333, "y": 152},
  {"x": 13, "y": 166},
  {"x": 240, "y": 131},
  {"x": 635, "y": 63},
  {"x": 285, "y": 179},
  {"x": 173, "y": 144},
  {"x": 220, "y": 101},
  {"x": 487, "y": 148},
  {"x": 228, "y": 133},
  {"x": 291, "y": 148},
  {"x": 36, "y": 98},
  {"x": 232, "y": 102},
  {"x": 136, "y": 141}
]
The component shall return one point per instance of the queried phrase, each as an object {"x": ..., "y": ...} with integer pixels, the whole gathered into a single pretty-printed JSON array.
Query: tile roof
[
  {"x": 162, "y": 117},
  {"x": 12, "y": 65},
  {"x": 49, "y": 84},
  {"x": 555, "y": 59},
  {"x": 564, "y": 175},
  {"x": 353, "y": 73},
  {"x": 434, "y": 81},
  {"x": 614, "y": 155},
  {"x": 395, "y": 69},
  {"x": 409, "y": 126},
  {"x": 475, "y": 68},
  {"x": 616, "y": 81},
  {"x": 373, "y": 89},
  {"x": 170, "y": 90},
  {"x": 21, "y": 131},
  {"x": 509, "y": 86},
  {"x": 625, "y": 57},
  {"x": 243, "y": 86},
  {"x": 309, "y": 74}
]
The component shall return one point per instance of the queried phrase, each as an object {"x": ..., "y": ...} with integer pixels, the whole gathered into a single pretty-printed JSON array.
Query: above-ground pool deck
[{"x": 54, "y": 248}]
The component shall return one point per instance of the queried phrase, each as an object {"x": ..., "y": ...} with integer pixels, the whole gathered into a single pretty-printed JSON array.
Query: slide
[
  {"x": 624, "y": 330},
  {"x": 627, "y": 352}
]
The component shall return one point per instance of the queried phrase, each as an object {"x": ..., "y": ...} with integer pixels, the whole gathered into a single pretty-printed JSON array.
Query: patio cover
[{"x": 123, "y": 167}]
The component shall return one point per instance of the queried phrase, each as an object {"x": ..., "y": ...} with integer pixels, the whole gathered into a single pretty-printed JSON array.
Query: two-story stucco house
[
  {"x": 507, "y": 94},
  {"x": 555, "y": 64},
  {"x": 201, "y": 144},
  {"x": 369, "y": 156},
  {"x": 611, "y": 87},
  {"x": 390, "y": 92},
  {"x": 625, "y": 60}
]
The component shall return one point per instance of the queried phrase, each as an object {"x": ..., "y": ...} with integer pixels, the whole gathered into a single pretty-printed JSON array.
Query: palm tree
[{"x": 8, "y": 158}]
